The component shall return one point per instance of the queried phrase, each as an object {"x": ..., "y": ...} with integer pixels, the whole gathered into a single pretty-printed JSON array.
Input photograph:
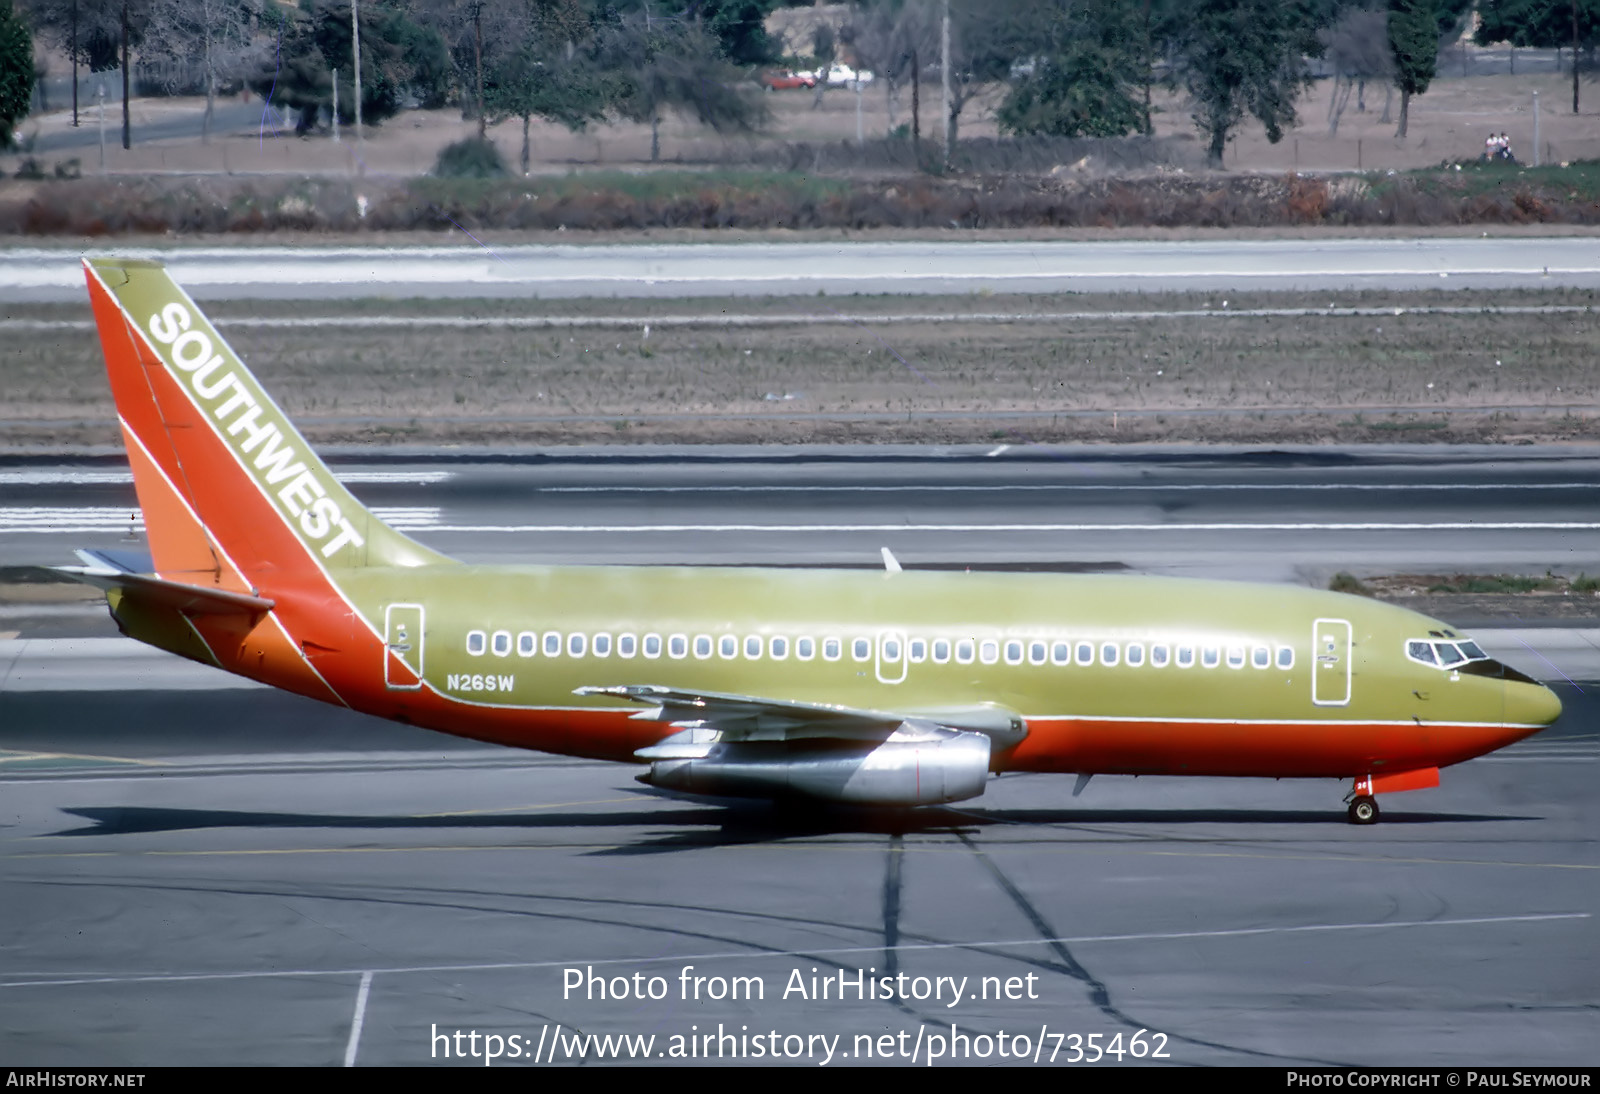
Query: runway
[
  {"x": 231, "y": 891},
  {"x": 1296, "y": 515},
  {"x": 205, "y": 874},
  {"x": 842, "y": 267}
]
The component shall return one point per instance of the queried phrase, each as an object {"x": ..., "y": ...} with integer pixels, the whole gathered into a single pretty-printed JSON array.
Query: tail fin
[{"x": 232, "y": 494}]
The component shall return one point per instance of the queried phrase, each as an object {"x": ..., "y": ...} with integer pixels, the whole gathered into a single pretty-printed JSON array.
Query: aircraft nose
[{"x": 1531, "y": 704}]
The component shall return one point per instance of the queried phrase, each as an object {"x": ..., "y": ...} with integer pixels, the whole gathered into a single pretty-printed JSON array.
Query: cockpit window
[{"x": 1433, "y": 651}]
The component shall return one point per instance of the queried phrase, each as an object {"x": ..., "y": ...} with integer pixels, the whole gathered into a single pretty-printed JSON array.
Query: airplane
[{"x": 872, "y": 687}]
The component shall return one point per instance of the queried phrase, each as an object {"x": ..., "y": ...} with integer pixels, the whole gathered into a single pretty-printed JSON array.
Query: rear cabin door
[{"x": 402, "y": 660}]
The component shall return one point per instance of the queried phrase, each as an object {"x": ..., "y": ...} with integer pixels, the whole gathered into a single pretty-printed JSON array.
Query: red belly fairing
[{"x": 1270, "y": 749}]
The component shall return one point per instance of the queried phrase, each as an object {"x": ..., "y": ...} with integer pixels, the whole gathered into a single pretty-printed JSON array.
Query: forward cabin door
[
  {"x": 1331, "y": 663},
  {"x": 403, "y": 663}
]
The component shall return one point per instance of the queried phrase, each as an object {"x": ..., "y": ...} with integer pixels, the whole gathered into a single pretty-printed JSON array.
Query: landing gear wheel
[{"x": 1364, "y": 810}]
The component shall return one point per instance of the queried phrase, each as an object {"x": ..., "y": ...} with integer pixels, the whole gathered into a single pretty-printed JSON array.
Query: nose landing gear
[{"x": 1363, "y": 810}]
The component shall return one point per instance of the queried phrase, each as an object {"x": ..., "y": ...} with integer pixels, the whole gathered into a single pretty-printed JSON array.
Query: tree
[
  {"x": 221, "y": 33},
  {"x": 1414, "y": 46},
  {"x": 553, "y": 74},
  {"x": 398, "y": 58},
  {"x": 16, "y": 71},
  {"x": 654, "y": 64},
  {"x": 1542, "y": 24},
  {"x": 740, "y": 27},
  {"x": 1357, "y": 46},
  {"x": 1238, "y": 57},
  {"x": 891, "y": 39},
  {"x": 86, "y": 31},
  {"x": 1085, "y": 84}
]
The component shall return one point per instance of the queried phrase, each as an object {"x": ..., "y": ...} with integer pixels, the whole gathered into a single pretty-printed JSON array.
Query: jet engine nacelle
[{"x": 916, "y": 765}]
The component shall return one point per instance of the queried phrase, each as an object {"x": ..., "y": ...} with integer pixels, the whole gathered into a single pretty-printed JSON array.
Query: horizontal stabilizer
[
  {"x": 189, "y": 599},
  {"x": 126, "y": 562}
]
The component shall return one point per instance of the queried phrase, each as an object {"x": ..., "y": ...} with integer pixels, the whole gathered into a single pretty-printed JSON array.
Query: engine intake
[{"x": 918, "y": 764}]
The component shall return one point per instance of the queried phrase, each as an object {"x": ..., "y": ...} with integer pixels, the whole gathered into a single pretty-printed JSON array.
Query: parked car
[
  {"x": 783, "y": 79},
  {"x": 845, "y": 76}
]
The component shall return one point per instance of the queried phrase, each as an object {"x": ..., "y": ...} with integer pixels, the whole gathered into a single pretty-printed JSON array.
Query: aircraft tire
[{"x": 1364, "y": 810}]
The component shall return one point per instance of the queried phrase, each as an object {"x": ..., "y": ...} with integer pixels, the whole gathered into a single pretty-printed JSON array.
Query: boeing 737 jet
[{"x": 879, "y": 687}]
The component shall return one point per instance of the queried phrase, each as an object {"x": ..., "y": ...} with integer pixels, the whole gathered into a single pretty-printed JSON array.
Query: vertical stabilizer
[{"x": 232, "y": 493}]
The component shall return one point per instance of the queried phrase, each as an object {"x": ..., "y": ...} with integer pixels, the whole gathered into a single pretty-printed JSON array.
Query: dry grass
[{"x": 1409, "y": 377}]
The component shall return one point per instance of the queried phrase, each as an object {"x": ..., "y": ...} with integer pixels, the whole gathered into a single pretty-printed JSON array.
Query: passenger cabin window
[
  {"x": 1060, "y": 653},
  {"x": 1108, "y": 654},
  {"x": 1285, "y": 657},
  {"x": 477, "y": 641},
  {"x": 1013, "y": 653},
  {"x": 752, "y": 648},
  {"x": 727, "y": 647},
  {"x": 1236, "y": 657},
  {"x": 832, "y": 649},
  {"x": 575, "y": 644},
  {"x": 891, "y": 650},
  {"x": 861, "y": 649},
  {"x": 652, "y": 645},
  {"x": 1185, "y": 656},
  {"x": 1211, "y": 657},
  {"x": 941, "y": 651},
  {"x": 678, "y": 647},
  {"x": 552, "y": 644},
  {"x": 1036, "y": 653},
  {"x": 1159, "y": 656},
  {"x": 966, "y": 650},
  {"x": 702, "y": 646},
  {"x": 989, "y": 651},
  {"x": 805, "y": 648},
  {"x": 501, "y": 643},
  {"x": 778, "y": 648},
  {"x": 1135, "y": 656},
  {"x": 917, "y": 651},
  {"x": 527, "y": 644},
  {"x": 1085, "y": 653},
  {"x": 601, "y": 646},
  {"x": 627, "y": 645},
  {"x": 1261, "y": 657}
]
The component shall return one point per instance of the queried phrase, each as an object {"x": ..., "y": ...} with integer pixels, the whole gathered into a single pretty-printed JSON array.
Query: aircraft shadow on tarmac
[{"x": 723, "y": 824}]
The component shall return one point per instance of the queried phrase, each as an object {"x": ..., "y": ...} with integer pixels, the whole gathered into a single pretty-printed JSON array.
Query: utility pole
[
  {"x": 477, "y": 60},
  {"x": 1536, "y": 160},
  {"x": 335, "y": 106},
  {"x": 944, "y": 80},
  {"x": 73, "y": 49},
  {"x": 355, "y": 48},
  {"x": 127, "y": 122}
]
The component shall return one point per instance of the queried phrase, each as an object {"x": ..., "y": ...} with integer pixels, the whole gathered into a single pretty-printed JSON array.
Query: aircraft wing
[{"x": 707, "y": 717}]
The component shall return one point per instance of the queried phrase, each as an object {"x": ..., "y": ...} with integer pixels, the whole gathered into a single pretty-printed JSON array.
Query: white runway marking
[
  {"x": 118, "y": 478},
  {"x": 358, "y": 1020},
  {"x": 790, "y": 529},
  {"x": 834, "y": 951},
  {"x": 610, "y": 322},
  {"x": 1007, "y": 487},
  {"x": 422, "y": 518},
  {"x": 89, "y": 519}
]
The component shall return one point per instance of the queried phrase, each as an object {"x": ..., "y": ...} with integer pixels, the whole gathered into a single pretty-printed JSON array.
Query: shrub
[{"x": 473, "y": 158}]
